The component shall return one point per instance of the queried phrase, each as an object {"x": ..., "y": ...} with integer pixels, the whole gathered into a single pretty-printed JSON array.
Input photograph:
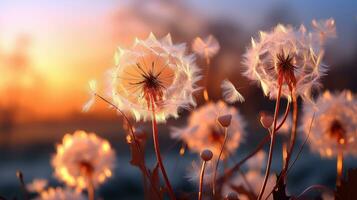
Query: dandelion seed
[
  {"x": 206, "y": 48},
  {"x": 37, "y": 185},
  {"x": 92, "y": 92},
  {"x": 288, "y": 57},
  {"x": 60, "y": 194},
  {"x": 230, "y": 93},
  {"x": 210, "y": 135},
  {"x": 324, "y": 28},
  {"x": 154, "y": 70},
  {"x": 83, "y": 159}
]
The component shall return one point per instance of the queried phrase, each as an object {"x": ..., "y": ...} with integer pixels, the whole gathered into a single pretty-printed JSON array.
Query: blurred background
[{"x": 50, "y": 49}]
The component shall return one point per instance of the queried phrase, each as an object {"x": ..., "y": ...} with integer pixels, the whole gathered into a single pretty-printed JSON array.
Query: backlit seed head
[{"x": 334, "y": 126}]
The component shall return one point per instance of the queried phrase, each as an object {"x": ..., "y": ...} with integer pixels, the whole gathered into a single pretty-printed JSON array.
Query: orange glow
[
  {"x": 205, "y": 95},
  {"x": 58, "y": 52},
  {"x": 285, "y": 153},
  {"x": 339, "y": 167}
]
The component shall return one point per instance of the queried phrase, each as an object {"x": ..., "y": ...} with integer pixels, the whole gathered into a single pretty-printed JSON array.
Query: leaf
[
  {"x": 280, "y": 192},
  {"x": 347, "y": 190}
]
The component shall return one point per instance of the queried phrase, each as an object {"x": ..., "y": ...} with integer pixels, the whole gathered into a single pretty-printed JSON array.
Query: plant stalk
[
  {"x": 219, "y": 157},
  {"x": 201, "y": 180},
  {"x": 157, "y": 150},
  {"x": 272, "y": 141}
]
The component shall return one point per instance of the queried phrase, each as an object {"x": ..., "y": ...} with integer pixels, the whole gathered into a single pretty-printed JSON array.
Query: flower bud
[
  {"x": 232, "y": 196},
  {"x": 225, "y": 120},
  {"x": 206, "y": 155},
  {"x": 266, "y": 120}
]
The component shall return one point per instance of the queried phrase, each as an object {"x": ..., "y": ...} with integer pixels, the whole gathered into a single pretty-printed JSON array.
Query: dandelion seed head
[
  {"x": 60, "y": 194},
  {"x": 207, "y": 47},
  {"x": 334, "y": 125},
  {"x": 82, "y": 155},
  {"x": 210, "y": 135},
  {"x": 285, "y": 53},
  {"x": 154, "y": 70}
]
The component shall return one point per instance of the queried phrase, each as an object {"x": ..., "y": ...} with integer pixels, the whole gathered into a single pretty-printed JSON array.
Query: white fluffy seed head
[{"x": 154, "y": 70}]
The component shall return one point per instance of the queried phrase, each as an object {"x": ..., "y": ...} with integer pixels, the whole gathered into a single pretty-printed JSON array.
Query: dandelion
[
  {"x": 230, "y": 93},
  {"x": 206, "y": 48},
  {"x": 334, "y": 130},
  {"x": 287, "y": 57},
  {"x": 251, "y": 180},
  {"x": 37, "y": 185},
  {"x": 152, "y": 80},
  {"x": 324, "y": 28},
  {"x": 83, "y": 160},
  {"x": 286, "y": 63},
  {"x": 210, "y": 135},
  {"x": 154, "y": 71},
  {"x": 60, "y": 194},
  {"x": 92, "y": 93}
]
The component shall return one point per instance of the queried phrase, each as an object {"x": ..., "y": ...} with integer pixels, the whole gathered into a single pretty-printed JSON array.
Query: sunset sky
[{"x": 68, "y": 42}]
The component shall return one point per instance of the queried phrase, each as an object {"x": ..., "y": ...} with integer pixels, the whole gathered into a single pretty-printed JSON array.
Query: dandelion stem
[
  {"x": 201, "y": 180},
  {"x": 256, "y": 150},
  {"x": 296, "y": 158},
  {"x": 157, "y": 149},
  {"x": 137, "y": 145},
  {"x": 90, "y": 189},
  {"x": 339, "y": 166},
  {"x": 219, "y": 157},
  {"x": 205, "y": 91},
  {"x": 293, "y": 133},
  {"x": 317, "y": 187},
  {"x": 272, "y": 140},
  {"x": 240, "y": 163},
  {"x": 287, "y": 109}
]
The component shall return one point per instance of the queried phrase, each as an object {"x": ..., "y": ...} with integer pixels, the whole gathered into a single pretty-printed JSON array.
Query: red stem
[
  {"x": 272, "y": 141},
  {"x": 293, "y": 133},
  {"x": 137, "y": 145},
  {"x": 157, "y": 150},
  {"x": 201, "y": 180},
  {"x": 219, "y": 157},
  {"x": 237, "y": 166}
]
